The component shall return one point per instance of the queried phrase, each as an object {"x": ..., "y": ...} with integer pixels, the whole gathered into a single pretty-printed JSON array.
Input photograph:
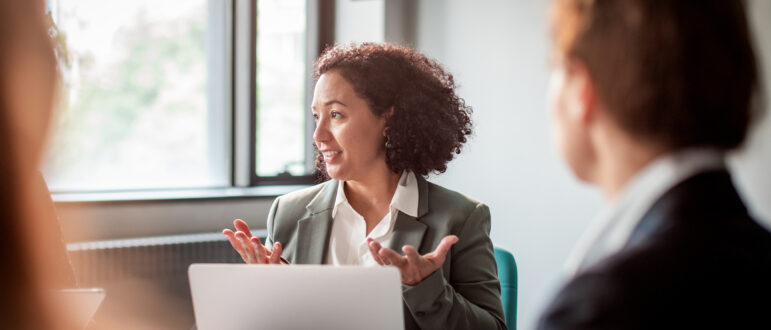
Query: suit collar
[
  {"x": 611, "y": 230},
  {"x": 422, "y": 196},
  {"x": 314, "y": 230},
  {"x": 708, "y": 195},
  {"x": 409, "y": 230},
  {"x": 325, "y": 198},
  {"x": 405, "y": 198}
]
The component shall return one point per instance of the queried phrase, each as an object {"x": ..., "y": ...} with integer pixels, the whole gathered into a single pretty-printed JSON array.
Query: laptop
[
  {"x": 238, "y": 296},
  {"x": 79, "y": 304}
]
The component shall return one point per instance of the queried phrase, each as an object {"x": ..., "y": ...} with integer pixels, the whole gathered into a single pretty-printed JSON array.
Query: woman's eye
[
  {"x": 335, "y": 114},
  {"x": 315, "y": 117}
]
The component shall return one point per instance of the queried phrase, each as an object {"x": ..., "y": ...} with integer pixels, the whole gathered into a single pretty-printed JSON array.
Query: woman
[{"x": 386, "y": 117}]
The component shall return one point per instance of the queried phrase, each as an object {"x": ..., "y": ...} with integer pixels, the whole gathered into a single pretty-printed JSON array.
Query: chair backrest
[{"x": 507, "y": 274}]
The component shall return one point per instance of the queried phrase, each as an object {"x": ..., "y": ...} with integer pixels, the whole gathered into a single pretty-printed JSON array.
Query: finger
[
  {"x": 391, "y": 257},
  {"x": 444, "y": 245},
  {"x": 377, "y": 247},
  {"x": 235, "y": 243},
  {"x": 242, "y": 226},
  {"x": 275, "y": 257},
  {"x": 231, "y": 236},
  {"x": 258, "y": 245},
  {"x": 375, "y": 243},
  {"x": 373, "y": 250},
  {"x": 248, "y": 248},
  {"x": 260, "y": 252},
  {"x": 412, "y": 255}
]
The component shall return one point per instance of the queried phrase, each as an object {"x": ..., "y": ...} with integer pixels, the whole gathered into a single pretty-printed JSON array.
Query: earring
[{"x": 388, "y": 144}]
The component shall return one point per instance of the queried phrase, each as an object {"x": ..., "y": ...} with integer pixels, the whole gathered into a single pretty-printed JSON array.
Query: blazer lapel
[
  {"x": 407, "y": 229},
  {"x": 313, "y": 232}
]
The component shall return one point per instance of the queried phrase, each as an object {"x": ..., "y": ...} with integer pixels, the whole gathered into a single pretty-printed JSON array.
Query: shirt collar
[
  {"x": 614, "y": 225},
  {"x": 405, "y": 198},
  {"x": 406, "y": 195},
  {"x": 340, "y": 199}
]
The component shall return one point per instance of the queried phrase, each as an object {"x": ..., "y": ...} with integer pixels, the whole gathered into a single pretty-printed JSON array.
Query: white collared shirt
[
  {"x": 610, "y": 231},
  {"x": 348, "y": 238}
]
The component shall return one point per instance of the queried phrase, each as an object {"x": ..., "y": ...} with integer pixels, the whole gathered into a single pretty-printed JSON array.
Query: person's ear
[
  {"x": 587, "y": 94},
  {"x": 385, "y": 117}
]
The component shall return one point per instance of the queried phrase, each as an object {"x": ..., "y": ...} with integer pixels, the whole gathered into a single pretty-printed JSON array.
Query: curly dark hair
[{"x": 429, "y": 122}]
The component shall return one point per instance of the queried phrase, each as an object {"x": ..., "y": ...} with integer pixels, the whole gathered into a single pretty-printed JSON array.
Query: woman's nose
[{"x": 321, "y": 133}]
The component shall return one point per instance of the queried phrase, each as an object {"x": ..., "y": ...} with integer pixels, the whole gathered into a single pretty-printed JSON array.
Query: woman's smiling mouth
[{"x": 330, "y": 155}]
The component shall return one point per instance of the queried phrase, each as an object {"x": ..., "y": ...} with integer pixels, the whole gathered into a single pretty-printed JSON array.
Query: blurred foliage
[{"x": 102, "y": 110}]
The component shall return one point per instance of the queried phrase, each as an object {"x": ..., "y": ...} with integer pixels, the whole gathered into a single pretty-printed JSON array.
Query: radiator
[{"x": 147, "y": 277}]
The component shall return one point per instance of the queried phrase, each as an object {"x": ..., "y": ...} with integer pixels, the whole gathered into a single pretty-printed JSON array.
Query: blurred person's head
[
  {"x": 385, "y": 106},
  {"x": 660, "y": 75},
  {"x": 27, "y": 244}
]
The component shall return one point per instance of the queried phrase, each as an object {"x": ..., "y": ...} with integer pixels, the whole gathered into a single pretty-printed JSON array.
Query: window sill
[{"x": 174, "y": 194}]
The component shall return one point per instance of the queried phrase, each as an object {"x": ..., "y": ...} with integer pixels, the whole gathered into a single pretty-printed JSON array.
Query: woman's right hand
[{"x": 249, "y": 247}]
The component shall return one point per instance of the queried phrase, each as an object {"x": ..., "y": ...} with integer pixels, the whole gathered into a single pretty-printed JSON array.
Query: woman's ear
[{"x": 385, "y": 117}]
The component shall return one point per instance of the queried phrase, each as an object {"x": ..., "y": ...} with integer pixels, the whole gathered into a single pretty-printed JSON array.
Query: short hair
[
  {"x": 429, "y": 123},
  {"x": 676, "y": 73}
]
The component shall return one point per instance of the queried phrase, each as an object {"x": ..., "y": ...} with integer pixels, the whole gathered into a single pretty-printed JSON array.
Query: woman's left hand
[{"x": 413, "y": 267}]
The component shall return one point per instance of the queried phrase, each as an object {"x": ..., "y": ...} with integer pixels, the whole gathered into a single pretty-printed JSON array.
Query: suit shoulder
[
  {"x": 292, "y": 206},
  {"x": 300, "y": 197},
  {"x": 441, "y": 193},
  {"x": 451, "y": 201}
]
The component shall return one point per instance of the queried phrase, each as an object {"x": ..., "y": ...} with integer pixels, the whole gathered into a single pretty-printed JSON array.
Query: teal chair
[{"x": 507, "y": 274}]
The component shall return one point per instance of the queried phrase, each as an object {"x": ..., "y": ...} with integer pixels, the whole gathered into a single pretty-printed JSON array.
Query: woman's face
[{"x": 348, "y": 134}]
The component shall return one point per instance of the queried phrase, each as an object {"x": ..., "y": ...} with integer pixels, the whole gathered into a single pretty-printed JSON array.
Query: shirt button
[{"x": 420, "y": 314}]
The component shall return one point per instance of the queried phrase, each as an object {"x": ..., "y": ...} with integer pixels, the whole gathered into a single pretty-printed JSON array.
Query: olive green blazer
[{"x": 463, "y": 294}]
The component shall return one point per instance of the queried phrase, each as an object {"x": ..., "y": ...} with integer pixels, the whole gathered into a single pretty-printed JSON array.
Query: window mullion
[{"x": 243, "y": 92}]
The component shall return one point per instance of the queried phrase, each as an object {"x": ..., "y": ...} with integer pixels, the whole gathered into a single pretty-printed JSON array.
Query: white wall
[{"x": 359, "y": 20}]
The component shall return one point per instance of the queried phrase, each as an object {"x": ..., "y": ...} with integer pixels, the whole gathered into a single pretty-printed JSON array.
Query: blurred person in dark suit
[{"x": 646, "y": 99}]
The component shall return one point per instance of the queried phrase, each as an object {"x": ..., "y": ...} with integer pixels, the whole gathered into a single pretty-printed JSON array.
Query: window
[
  {"x": 149, "y": 96},
  {"x": 281, "y": 94}
]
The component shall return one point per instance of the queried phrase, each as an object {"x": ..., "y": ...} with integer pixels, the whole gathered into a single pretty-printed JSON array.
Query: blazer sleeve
[
  {"x": 271, "y": 222},
  {"x": 471, "y": 297}
]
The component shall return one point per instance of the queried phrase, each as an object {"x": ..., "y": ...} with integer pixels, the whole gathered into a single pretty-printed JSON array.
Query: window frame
[
  {"x": 319, "y": 14},
  {"x": 240, "y": 104}
]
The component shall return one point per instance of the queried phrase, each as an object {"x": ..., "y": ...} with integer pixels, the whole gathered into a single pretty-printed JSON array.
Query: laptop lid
[{"x": 237, "y": 296}]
